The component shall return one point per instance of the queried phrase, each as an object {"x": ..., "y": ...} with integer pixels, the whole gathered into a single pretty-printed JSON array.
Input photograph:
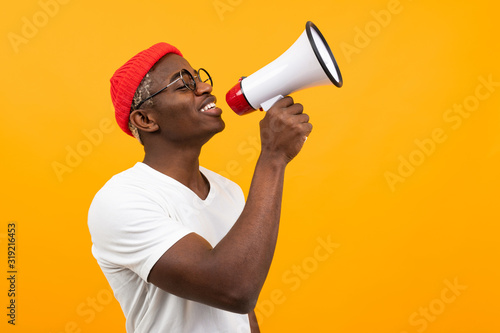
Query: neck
[{"x": 179, "y": 163}]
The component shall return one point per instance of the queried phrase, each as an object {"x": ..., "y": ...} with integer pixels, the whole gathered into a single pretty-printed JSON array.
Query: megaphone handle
[{"x": 270, "y": 102}]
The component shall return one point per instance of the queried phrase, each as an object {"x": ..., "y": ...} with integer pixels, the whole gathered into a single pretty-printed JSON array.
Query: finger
[
  {"x": 296, "y": 108},
  {"x": 303, "y": 118},
  {"x": 307, "y": 128}
]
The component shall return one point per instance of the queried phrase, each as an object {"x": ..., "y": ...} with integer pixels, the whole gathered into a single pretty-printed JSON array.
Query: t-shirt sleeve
[{"x": 131, "y": 230}]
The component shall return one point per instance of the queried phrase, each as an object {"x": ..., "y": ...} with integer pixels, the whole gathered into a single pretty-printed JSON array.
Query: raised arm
[{"x": 231, "y": 275}]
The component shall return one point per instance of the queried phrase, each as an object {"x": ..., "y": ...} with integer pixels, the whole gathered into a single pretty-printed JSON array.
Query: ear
[{"x": 144, "y": 120}]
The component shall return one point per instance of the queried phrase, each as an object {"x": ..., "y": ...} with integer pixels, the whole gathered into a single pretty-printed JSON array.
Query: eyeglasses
[{"x": 187, "y": 79}]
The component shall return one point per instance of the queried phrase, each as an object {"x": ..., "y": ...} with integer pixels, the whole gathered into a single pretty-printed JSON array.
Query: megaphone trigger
[{"x": 265, "y": 106}]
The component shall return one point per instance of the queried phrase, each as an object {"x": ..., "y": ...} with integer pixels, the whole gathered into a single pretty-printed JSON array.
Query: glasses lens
[
  {"x": 204, "y": 76},
  {"x": 188, "y": 80}
]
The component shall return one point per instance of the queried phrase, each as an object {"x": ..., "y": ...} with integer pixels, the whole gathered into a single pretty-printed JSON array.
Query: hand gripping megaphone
[{"x": 309, "y": 62}]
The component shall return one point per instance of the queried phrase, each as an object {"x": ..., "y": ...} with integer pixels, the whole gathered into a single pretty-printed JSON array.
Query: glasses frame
[{"x": 181, "y": 77}]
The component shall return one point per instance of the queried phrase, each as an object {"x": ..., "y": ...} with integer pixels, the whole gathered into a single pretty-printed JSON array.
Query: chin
[
  {"x": 223, "y": 125},
  {"x": 220, "y": 127}
]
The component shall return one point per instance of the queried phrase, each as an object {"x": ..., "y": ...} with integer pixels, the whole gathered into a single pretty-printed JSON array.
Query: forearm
[{"x": 248, "y": 248}]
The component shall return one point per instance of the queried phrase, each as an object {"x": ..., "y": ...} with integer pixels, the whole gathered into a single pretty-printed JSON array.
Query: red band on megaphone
[{"x": 237, "y": 101}]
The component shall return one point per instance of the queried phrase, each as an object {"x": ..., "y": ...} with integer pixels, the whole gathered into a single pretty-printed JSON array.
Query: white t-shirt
[{"x": 134, "y": 219}]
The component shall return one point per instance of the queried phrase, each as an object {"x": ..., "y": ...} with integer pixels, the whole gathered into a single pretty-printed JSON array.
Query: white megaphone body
[{"x": 309, "y": 62}]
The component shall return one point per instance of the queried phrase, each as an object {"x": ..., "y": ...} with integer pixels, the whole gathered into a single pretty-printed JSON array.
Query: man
[{"x": 180, "y": 248}]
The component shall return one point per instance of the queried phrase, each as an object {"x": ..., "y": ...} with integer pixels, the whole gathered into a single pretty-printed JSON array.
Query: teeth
[{"x": 208, "y": 106}]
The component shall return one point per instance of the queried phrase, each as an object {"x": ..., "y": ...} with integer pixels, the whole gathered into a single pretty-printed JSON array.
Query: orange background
[{"x": 402, "y": 183}]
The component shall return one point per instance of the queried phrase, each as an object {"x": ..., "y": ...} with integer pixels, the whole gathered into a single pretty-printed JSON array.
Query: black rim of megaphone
[{"x": 309, "y": 26}]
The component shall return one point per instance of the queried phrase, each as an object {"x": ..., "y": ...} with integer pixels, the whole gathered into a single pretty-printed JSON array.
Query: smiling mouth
[{"x": 208, "y": 107}]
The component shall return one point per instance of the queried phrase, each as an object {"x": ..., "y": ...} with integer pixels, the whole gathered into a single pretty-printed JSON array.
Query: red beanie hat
[{"x": 127, "y": 78}]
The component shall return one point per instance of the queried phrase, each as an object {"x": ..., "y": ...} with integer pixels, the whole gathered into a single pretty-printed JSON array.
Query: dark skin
[{"x": 230, "y": 275}]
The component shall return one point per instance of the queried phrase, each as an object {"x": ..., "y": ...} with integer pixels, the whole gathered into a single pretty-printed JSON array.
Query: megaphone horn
[{"x": 309, "y": 62}]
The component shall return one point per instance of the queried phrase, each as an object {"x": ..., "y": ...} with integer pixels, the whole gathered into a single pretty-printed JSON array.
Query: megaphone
[{"x": 309, "y": 62}]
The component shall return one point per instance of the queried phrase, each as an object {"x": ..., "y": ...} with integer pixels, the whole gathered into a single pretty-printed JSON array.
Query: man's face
[{"x": 178, "y": 109}]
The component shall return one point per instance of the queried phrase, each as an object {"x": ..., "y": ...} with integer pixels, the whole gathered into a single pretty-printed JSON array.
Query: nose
[{"x": 203, "y": 88}]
